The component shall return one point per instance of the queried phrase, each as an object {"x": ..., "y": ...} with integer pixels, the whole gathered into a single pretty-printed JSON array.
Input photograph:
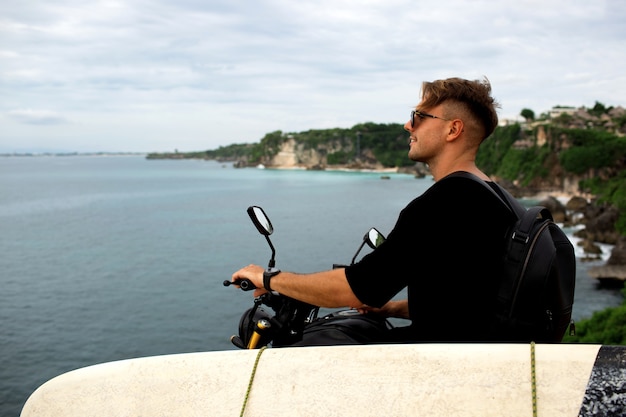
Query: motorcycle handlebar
[{"x": 244, "y": 283}]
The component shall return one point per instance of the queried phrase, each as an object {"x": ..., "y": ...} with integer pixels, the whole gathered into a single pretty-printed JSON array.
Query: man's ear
[{"x": 456, "y": 127}]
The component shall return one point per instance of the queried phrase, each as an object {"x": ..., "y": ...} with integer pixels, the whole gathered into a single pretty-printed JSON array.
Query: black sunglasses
[{"x": 422, "y": 115}]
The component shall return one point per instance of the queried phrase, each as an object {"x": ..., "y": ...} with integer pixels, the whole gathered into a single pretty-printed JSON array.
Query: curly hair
[{"x": 474, "y": 96}]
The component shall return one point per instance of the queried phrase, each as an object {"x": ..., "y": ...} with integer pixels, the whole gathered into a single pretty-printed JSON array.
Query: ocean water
[{"x": 109, "y": 258}]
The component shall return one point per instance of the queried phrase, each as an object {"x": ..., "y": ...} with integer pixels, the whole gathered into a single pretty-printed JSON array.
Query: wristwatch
[{"x": 267, "y": 276}]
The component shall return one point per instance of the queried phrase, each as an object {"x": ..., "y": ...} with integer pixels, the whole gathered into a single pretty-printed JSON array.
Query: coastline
[{"x": 339, "y": 169}]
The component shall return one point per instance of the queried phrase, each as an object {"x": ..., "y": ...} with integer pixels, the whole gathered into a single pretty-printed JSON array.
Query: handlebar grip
[{"x": 244, "y": 283}]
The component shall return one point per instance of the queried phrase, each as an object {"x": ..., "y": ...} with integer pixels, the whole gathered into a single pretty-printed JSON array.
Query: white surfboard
[{"x": 377, "y": 380}]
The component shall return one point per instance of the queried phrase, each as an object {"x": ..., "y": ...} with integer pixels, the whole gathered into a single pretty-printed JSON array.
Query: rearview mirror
[
  {"x": 260, "y": 220},
  {"x": 374, "y": 238}
]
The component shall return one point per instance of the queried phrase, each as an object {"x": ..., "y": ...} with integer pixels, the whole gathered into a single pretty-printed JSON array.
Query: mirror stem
[
  {"x": 272, "y": 262},
  {"x": 357, "y": 252}
]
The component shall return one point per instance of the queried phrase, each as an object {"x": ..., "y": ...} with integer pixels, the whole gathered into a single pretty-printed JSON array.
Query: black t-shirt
[{"x": 446, "y": 247}]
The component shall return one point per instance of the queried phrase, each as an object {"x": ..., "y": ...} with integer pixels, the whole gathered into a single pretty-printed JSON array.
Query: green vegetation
[
  {"x": 338, "y": 158},
  {"x": 528, "y": 114},
  {"x": 499, "y": 156},
  {"x": 386, "y": 142},
  {"x": 605, "y": 155},
  {"x": 590, "y": 149},
  {"x": 607, "y": 327},
  {"x": 613, "y": 191},
  {"x": 496, "y": 149}
]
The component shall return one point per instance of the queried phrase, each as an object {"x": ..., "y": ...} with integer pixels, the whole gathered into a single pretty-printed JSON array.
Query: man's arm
[{"x": 328, "y": 289}]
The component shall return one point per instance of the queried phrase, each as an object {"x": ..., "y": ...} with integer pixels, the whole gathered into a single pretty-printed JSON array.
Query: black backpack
[{"x": 536, "y": 294}]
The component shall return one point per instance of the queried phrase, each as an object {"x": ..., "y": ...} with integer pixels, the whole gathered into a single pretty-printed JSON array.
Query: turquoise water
[{"x": 107, "y": 258}]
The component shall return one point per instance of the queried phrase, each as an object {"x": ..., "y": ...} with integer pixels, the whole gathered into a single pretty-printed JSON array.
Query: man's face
[{"x": 427, "y": 134}]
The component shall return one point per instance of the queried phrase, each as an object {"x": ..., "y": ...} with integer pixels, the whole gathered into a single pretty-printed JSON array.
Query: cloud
[
  {"x": 37, "y": 117},
  {"x": 192, "y": 74}
]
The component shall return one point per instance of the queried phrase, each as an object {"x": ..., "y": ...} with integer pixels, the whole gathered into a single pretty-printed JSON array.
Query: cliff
[{"x": 296, "y": 154}]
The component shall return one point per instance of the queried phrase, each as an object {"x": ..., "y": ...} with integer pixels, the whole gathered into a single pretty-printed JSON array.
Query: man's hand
[
  {"x": 254, "y": 273},
  {"x": 399, "y": 309}
]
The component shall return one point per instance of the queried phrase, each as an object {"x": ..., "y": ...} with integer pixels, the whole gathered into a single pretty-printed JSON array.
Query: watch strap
[{"x": 267, "y": 277}]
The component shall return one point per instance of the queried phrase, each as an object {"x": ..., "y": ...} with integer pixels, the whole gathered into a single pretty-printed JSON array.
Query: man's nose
[{"x": 407, "y": 126}]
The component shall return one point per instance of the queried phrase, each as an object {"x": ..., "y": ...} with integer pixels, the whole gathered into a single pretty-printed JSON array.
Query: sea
[{"x": 104, "y": 258}]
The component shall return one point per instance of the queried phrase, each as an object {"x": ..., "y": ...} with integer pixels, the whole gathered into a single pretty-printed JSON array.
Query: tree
[
  {"x": 598, "y": 109},
  {"x": 528, "y": 114}
]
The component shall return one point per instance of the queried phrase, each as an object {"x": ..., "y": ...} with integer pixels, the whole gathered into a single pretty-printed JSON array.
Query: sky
[{"x": 190, "y": 75}]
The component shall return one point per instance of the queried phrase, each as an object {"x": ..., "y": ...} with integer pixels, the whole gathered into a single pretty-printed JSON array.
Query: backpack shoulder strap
[
  {"x": 526, "y": 217},
  {"x": 504, "y": 196}
]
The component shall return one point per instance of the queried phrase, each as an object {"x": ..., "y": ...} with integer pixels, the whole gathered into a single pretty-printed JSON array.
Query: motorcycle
[{"x": 289, "y": 322}]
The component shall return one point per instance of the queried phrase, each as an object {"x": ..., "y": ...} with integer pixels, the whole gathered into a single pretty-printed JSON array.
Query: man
[{"x": 447, "y": 243}]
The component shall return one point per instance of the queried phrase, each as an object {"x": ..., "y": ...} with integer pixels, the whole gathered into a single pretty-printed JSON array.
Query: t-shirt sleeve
[{"x": 381, "y": 274}]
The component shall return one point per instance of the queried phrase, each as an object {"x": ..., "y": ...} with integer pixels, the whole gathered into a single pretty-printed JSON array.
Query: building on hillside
[{"x": 559, "y": 110}]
